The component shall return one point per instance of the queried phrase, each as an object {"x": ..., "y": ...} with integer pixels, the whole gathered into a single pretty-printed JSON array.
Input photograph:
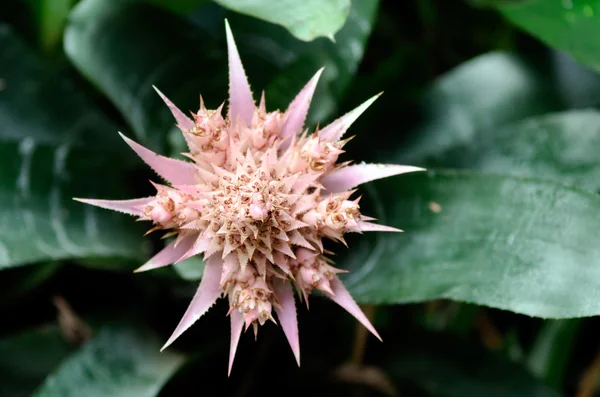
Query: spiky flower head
[{"x": 256, "y": 200}]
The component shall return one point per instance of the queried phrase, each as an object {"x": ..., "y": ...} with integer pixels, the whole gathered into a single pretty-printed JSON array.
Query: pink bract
[{"x": 256, "y": 200}]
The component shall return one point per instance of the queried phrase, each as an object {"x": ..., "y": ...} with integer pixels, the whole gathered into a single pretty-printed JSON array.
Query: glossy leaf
[
  {"x": 562, "y": 147},
  {"x": 53, "y": 16},
  {"x": 125, "y": 48},
  {"x": 571, "y": 26},
  {"x": 37, "y": 186},
  {"x": 445, "y": 366},
  {"x": 29, "y": 105},
  {"x": 341, "y": 60},
  {"x": 306, "y": 20},
  {"x": 100, "y": 36},
  {"x": 507, "y": 242},
  {"x": 118, "y": 362},
  {"x": 476, "y": 97},
  {"x": 28, "y": 357},
  {"x": 47, "y": 149}
]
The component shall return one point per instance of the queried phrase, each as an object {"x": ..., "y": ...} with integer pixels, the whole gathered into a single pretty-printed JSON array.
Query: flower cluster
[{"x": 256, "y": 200}]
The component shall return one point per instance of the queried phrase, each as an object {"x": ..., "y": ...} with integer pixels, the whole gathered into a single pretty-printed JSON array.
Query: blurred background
[{"x": 493, "y": 288}]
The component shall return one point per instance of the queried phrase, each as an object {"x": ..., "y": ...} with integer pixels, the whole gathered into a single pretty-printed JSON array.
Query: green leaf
[
  {"x": 125, "y": 48},
  {"x": 340, "y": 59},
  {"x": 41, "y": 103},
  {"x": 476, "y": 97},
  {"x": 306, "y": 19},
  {"x": 563, "y": 147},
  {"x": 118, "y": 362},
  {"x": 53, "y": 16},
  {"x": 551, "y": 350},
  {"x": 512, "y": 243},
  {"x": 570, "y": 26},
  {"x": 37, "y": 186},
  {"x": 48, "y": 145},
  {"x": 28, "y": 357},
  {"x": 445, "y": 366}
]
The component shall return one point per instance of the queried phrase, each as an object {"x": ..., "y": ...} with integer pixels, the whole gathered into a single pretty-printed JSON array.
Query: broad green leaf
[
  {"x": 28, "y": 357},
  {"x": 306, "y": 19},
  {"x": 340, "y": 59},
  {"x": 512, "y": 243},
  {"x": 479, "y": 95},
  {"x": 118, "y": 362},
  {"x": 569, "y": 25},
  {"x": 48, "y": 140},
  {"x": 551, "y": 350},
  {"x": 445, "y": 366},
  {"x": 52, "y": 18},
  {"x": 39, "y": 219},
  {"x": 562, "y": 146},
  {"x": 40, "y": 103},
  {"x": 125, "y": 48}
]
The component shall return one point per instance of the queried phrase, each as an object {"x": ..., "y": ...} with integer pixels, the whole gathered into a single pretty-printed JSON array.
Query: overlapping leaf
[
  {"x": 569, "y": 25},
  {"x": 184, "y": 60},
  {"x": 27, "y": 358},
  {"x": 49, "y": 150},
  {"x": 508, "y": 242},
  {"x": 119, "y": 362},
  {"x": 306, "y": 20}
]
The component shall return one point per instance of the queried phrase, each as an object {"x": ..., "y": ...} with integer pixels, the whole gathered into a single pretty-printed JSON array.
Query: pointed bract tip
[
  {"x": 348, "y": 177},
  {"x": 174, "y": 171},
  {"x": 375, "y": 227},
  {"x": 297, "y": 110},
  {"x": 183, "y": 122},
  {"x": 343, "y": 298},
  {"x": 241, "y": 103},
  {"x": 130, "y": 207},
  {"x": 336, "y": 129},
  {"x": 237, "y": 323}
]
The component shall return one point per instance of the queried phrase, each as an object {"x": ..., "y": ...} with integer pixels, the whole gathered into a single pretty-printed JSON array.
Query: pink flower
[{"x": 256, "y": 199}]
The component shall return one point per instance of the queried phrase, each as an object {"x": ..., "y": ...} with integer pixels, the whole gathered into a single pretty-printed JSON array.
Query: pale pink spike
[
  {"x": 351, "y": 176},
  {"x": 208, "y": 292},
  {"x": 174, "y": 171},
  {"x": 295, "y": 115},
  {"x": 373, "y": 227},
  {"x": 286, "y": 313},
  {"x": 343, "y": 298},
  {"x": 237, "y": 324},
  {"x": 168, "y": 255},
  {"x": 183, "y": 122},
  {"x": 338, "y": 128},
  {"x": 241, "y": 104},
  {"x": 130, "y": 207},
  {"x": 262, "y": 107},
  {"x": 199, "y": 246}
]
